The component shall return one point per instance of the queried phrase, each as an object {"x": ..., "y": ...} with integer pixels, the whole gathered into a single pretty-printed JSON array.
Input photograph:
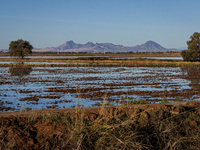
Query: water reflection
[
  {"x": 193, "y": 75},
  {"x": 58, "y": 85},
  {"x": 20, "y": 71}
]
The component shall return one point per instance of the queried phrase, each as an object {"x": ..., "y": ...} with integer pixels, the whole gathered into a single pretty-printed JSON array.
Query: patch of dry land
[{"x": 147, "y": 126}]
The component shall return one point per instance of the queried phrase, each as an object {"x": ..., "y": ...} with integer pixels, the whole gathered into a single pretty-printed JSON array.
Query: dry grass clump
[{"x": 124, "y": 127}]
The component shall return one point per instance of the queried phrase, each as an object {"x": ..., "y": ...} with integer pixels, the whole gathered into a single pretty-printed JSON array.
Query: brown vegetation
[
  {"x": 89, "y": 62},
  {"x": 159, "y": 126}
]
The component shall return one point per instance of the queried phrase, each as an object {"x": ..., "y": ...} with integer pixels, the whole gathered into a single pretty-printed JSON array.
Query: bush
[{"x": 193, "y": 52}]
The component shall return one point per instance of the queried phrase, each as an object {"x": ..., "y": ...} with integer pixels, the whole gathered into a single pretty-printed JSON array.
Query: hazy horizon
[{"x": 128, "y": 23}]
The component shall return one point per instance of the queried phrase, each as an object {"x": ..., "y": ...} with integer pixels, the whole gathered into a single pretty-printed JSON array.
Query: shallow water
[{"x": 109, "y": 84}]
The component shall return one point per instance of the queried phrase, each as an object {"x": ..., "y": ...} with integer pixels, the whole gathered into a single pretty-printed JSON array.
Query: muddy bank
[{"x": 155, "y": 126}]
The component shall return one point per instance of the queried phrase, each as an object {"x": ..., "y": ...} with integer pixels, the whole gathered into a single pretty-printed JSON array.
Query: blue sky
[{"x": 47, "y": 23}]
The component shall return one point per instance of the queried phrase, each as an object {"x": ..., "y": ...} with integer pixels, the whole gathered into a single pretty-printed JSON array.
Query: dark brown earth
[{"x": 54, "y": 129}]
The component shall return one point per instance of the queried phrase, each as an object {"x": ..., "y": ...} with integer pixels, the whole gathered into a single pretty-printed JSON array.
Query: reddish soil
[{"x": 26, "y": 129}]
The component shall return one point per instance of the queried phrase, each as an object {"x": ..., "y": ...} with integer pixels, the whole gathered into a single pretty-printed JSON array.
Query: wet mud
[{"x": 66, "y": 87}]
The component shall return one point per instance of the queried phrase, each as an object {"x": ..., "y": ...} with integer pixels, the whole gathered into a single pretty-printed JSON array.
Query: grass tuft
[{"x": 122, "y": 127}]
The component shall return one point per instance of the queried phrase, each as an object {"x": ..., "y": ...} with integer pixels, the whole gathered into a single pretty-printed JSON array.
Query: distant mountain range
[
  {"x": 70, "y": 46},
  {"x": 3, "y": 50}
]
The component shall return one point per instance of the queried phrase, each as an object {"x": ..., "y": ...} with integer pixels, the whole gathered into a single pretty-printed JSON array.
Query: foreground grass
[{"x": 124, "y": 127}]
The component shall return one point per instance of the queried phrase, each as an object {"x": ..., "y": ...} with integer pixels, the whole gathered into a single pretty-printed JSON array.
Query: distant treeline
[
  {"x": 130, "y": 52},
  {"x": 105, "y": 52}
]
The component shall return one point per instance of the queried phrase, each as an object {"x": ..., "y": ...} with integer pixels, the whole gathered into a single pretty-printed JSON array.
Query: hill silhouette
[{"x": 71, "y": 46}]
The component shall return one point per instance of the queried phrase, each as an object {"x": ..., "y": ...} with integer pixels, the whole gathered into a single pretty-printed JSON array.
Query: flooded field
[{"x": 64, "y": 87}]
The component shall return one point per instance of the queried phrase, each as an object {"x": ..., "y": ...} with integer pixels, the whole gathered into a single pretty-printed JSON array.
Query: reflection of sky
[{"x": 69, "y": 77}]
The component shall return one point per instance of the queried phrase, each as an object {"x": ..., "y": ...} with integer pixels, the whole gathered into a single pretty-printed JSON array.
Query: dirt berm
[{"x": 148, "y": 126}]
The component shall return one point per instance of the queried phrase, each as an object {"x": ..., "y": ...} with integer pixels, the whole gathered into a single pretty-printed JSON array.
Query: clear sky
[{"x": 47, "y": 23}]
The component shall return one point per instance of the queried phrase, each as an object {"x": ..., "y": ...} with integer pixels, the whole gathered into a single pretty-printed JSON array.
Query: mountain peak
[
  {"x": 150, "y": 42},
  {"x": 70, "y": 46},
  {"x": 70, "y": 41},
  {"x": 89, "y": 44},
  {"x": 151, "y": 45}
]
